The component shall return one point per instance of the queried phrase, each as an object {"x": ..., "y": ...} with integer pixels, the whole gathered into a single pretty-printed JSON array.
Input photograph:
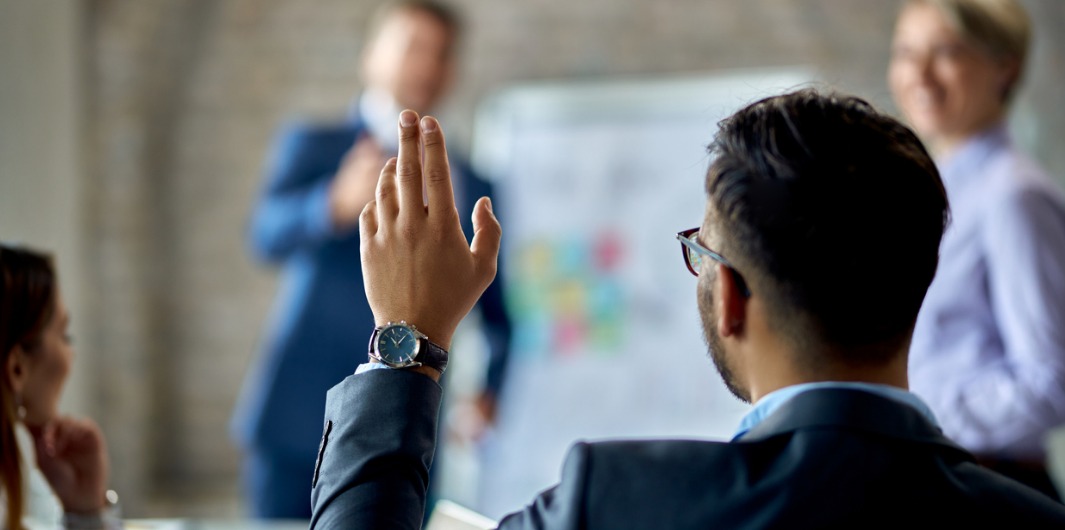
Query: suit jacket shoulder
[
  {"x": 834, "y": 459},
  {"x": 826, "y": 459}
]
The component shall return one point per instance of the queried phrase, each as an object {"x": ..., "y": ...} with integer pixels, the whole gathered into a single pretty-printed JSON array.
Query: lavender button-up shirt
[{"x": 988, "y": 352}]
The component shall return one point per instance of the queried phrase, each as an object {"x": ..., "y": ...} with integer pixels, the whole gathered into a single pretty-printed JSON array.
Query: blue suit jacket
[
  {"x": 829, "y": 458},
  {"x": 321, "y": 323}
]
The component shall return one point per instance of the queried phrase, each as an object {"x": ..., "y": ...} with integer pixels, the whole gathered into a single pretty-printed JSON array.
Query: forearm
[
  {"x": 1002, "y": 410},
  {"x": 379, "y": 443},
  {"x": 286, "y": 222}
]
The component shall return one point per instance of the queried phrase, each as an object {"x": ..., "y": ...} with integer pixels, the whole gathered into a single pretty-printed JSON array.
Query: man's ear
[
  {"x": 16, "y": 369},
  {"x": 732, "y": 305}
]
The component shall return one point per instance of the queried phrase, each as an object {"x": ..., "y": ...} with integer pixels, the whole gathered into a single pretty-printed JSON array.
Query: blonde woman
[{"x": 988, "y": 351}]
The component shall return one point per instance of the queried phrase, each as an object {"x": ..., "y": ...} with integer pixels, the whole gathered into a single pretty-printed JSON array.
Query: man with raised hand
[{"x": 819, "y": 240}]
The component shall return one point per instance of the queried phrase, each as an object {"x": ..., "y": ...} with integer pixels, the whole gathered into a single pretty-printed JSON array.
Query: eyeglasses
[{"x": 693, "y": 258}]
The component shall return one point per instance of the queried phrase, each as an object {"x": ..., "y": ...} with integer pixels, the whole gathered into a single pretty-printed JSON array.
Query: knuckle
[
  {"x": 407, "y": 232},
  {"x": 437, "y": 174},
  {"x": 406, "y": 169},
  {"x": 488, "y": 270}
]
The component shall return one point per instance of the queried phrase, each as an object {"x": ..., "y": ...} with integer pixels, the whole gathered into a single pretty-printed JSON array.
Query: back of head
[
  {"x": 834, "y": 212},
  {"x": 1002, "y": 28},
  {"x": 27, "y": 300}
]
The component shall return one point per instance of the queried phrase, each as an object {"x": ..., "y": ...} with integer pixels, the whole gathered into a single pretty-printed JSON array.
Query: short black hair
[{"x": 834, "y": 212}]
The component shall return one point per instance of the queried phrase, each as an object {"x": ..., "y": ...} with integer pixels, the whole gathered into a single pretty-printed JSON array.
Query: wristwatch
[{"x": 400, "y": 345}]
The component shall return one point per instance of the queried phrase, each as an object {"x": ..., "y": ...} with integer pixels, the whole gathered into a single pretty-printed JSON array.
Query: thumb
[{"x": 486, "y": 236}]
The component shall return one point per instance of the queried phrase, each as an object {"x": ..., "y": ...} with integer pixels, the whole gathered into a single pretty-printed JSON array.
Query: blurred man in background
[{"x": 307, "y": 220}]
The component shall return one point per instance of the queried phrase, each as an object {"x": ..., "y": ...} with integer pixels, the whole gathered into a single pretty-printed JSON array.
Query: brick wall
[{"x": 182, "y": 97}]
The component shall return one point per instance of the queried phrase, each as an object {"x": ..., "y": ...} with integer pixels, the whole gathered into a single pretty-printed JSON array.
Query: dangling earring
[{"x": 20, "y": 409}]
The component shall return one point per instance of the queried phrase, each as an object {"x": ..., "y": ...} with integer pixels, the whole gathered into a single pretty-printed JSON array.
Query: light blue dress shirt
[
  {"x": 988, "y": 351},
  {"x": 776, "y": 399}
]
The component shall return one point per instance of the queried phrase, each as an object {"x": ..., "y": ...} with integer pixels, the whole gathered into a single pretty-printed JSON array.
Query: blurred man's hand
[{"x": 354, "y": 184}]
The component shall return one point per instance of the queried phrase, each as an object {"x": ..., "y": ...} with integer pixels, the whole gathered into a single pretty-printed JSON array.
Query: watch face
[{"x": 397, "y": 345}]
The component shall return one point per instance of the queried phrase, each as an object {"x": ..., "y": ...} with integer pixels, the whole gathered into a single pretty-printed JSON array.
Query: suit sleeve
[
  {"x": 1023, "y": 394},
  {"x": 377, "y": 446},
  {"x": 561, "y": 507},
  {"x": 293, "y": 210}
]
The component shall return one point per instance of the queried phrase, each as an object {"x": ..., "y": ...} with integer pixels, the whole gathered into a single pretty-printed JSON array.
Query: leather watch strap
[{"x": 432, "y": 355}]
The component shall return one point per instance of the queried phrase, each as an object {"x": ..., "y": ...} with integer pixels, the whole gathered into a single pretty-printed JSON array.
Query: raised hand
[
  {"x": 72, "y": 456},
  {"x": 416, "y": 263}
]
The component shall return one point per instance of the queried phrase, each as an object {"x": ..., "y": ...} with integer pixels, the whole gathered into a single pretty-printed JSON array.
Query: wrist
[
  {"x": 402, "y": 345},
  {"x": 105, "y": 516},
  {"x": 431, "y": 373}
]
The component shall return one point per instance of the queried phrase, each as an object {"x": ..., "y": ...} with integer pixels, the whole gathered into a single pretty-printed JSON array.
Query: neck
[
  {"x": 786, "y": 372},
  {"x": 767, "y": 360},
  {"x": 944, "y": 145}
]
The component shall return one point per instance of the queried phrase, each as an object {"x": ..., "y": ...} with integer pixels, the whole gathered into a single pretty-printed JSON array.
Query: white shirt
[
  {"x": 42, "y": 508},
  {"x": 380, "y": 112}
]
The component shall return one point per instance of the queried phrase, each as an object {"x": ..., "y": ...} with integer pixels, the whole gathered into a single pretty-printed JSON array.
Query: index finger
[{"x": 437, "y": 170}]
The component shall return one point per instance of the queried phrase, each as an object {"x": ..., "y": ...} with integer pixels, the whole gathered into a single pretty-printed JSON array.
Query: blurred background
[{"x": 133, "y": 135}]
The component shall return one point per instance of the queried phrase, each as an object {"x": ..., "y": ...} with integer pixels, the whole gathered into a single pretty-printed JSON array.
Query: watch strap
[{"x": 432, "y": 355}]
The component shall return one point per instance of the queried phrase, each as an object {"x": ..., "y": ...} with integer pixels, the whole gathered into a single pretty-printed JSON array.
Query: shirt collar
[
  {"x": 776, "y": 399},
  {"x": 380, "y": 112},
  {"x": 966, "y": 162}
]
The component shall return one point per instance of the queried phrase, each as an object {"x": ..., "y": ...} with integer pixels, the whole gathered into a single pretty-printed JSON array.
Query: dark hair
[
  {"x": 444, "y": 14},
  {"x": 834, "y": 212},
  {"x": 27, "y": 303}
]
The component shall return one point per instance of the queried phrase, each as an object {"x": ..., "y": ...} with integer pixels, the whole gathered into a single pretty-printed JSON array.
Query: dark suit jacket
[
  {"x": 828, "y": 458},
  {"x": 321, "y": 322}
]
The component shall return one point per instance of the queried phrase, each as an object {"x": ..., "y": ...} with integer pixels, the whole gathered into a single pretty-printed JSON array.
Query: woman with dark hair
[
  {"x": 988, "y": 351},
  {"x": 53, "y": 469}
]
